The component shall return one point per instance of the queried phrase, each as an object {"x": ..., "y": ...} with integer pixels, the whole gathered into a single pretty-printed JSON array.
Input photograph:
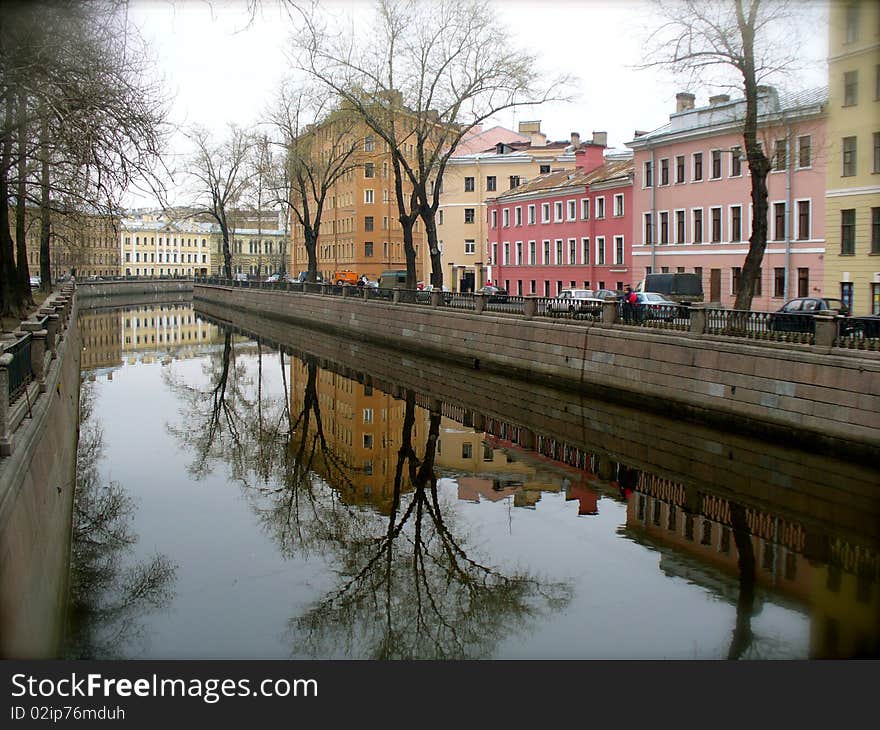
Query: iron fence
[{"x": 20, "y": 370}]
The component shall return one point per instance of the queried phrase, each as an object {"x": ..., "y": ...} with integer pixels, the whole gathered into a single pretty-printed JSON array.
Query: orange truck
[{"x": 345, "y": 277}]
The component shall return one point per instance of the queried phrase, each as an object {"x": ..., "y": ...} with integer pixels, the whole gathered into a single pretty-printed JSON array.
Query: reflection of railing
[{"x": 846, "y": 333}]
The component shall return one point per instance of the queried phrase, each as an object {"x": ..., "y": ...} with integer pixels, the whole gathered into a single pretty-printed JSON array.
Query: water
[{"x": 241, "y": 500}]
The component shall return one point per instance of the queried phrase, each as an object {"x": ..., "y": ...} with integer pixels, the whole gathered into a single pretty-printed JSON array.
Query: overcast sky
[{"x": 220, "y": 69}]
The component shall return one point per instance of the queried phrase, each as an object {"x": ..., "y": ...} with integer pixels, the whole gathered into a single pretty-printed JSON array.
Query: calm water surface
[{"x": 237, "y": 501}]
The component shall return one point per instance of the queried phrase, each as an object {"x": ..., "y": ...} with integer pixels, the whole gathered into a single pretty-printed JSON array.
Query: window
[
  {"x": 852, "y": 22},
  {"x": 368, "y": 441},
  {"x": 803, "y": 282},
  {"x": 557, "y": 211},
  {"x": 559, "y": 252},
  {"x": 875, "y": 230},
  {"x": 506, "y": 261},
  {"x": 532, "y": 218},
  {"x": 849, "y": 156},
  {"x": 664, "y": 227},
  {"x": 546, "y": 261},
  {"x": 545, "y": 212},
  {"x": 469, "y": 215},
  {"x": 618, "y": 205},
  {"x": 805, "y": 151},
  {"x": 649, "y": 229},
  {"x": 600, "y": 251},
  {"x": 679, "y": 169},
  {"x": 533, "y": 257},
  {"x": 618, "y": 250},
  {"x": 368, "y": 196},
  {"x": 585, "y": 253},
  {"x": 514, "y": 181},
  {"x": 847, "y": 232},
  {"x": 735, "y": 223},
  {"x": 803, "y": 208},
  {"x": 369, "y": 169},
  {"x": 850, "y": 88},
  {"x": 519, "y": 253},
  {"x": 780, "y": 156},
  {"x": 846, "y": 294},
  {"x": 470, "y": 246},
  {"x": 698, "y": 225},
  {"x": 572, "y": 251},
  {"x": 368, "y": 223},
  {"x": 736, "y": 162},
  {"x": 698, "y": 166},
  {"x": 505, "y": 218},
  {"x": 664, "y": 172},
  {"x": 779, "y": 282},
  {"x": 517, "y": 216},
  {"x": 368, "y": 415},
  {"x": 648, "y": 176},
  {"x": 600, "y": 207},
  {"x": 572, "y": 210},
  {"x": 735, "y": 276},
  {"x": 494, "y": 219},
  {"x": 491, "y": 183},
  {"x": 585, "y": 209},
  {"x": 716, "y": 225},
  {"x": 467, "y": 451},
  {"x": 368, "y": 248},
  {"x": 440, "y": 218},
  {"x": 679, "y": 226},
  {"x": 876, "y": 152},
  {"x": 779, "y": 221},
  {"x": 544, "y": 169},
  {"x": 369, "y": 143},
  {"x": 716, "y": 164}
]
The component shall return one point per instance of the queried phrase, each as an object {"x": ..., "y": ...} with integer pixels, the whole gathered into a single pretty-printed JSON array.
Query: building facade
[
  {"x": 153, "y": 245},
  {"x": 693, "y": 202},
  {"x": 360, "y": 230},
  {"x": 505, "y": 161},
  {"x": 852, "y": 203},
  {"x": 565, "y": 229}
]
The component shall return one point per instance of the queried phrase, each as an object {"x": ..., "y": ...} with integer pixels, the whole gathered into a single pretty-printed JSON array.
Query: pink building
[
  {"x": 565, "y": 229},
  {"x": 692, "y": 204}
]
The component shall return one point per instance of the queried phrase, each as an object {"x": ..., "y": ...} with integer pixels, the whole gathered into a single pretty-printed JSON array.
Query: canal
[{"x": 244, "y": 492}]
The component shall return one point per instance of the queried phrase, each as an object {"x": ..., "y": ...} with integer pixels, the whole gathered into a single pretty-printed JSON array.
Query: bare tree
[
  {"x": 222, "y": 177},
  {"x": 425, "y": 76},
  {"x": 705, "y": 38},
  {"x": 310, "y": 168}
]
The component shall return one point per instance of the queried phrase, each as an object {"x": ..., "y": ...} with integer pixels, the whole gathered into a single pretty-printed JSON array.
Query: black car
[
  {"x": 494, "y": 294},
  {"x": 797, "y": 315}
]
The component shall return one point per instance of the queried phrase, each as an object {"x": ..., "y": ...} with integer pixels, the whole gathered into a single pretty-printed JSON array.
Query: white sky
[{"x": 221, "y": 71}]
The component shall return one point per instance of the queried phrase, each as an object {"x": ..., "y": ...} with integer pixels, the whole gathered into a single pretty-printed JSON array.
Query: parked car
[
  {"x": 240, "y": 276},
  {"x": 304, "y": 276},
  {"x": 607, "y": 294},
  {"x": 35, "y": 282},
  {"x": 273, "y": 278},
  {"x": 656, "y": 306},
  {"x": 680, "y": 287},
  {"x": 392, "y": 278},
  {"x": 495, "y": 294},
  {"x": 345, "y": 276},
  {"x": 447, "y": 292},
  {"x": 797, "y": 314},
  {"x": 577, "y": 301}
]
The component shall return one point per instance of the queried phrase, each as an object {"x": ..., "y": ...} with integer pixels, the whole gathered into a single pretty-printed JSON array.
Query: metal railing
[
  {"x": 858, "y": 333},
  {"x": 770, "y": 326},
  {"x": 20, "y": 369}
]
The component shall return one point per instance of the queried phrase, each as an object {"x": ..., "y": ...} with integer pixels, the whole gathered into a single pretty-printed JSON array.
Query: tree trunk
[
  {"x": 428, "y": 215},
  {"x": 45, "y": 215},
  {"x": 311, "y": 240},
  {"x": 10, "y": 299},
  {"x": 23, "y": 278}
]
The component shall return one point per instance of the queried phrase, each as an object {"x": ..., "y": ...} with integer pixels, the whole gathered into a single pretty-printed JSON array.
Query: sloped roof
[
  {"x": 487, "y": 139},
  {"x": 577, "y": 178}
]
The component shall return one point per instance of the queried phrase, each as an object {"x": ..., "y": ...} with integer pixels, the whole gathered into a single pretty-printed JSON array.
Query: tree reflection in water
[
  {"x": 407, "y": 586},
  {"x": 107, "y": 597}
]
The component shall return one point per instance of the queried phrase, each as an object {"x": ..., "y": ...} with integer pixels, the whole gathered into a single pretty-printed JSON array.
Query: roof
[
  {"x": 611, "y": 170},
  {"x": 479, "y": 141},
  {"x": 711, "y": 117}
]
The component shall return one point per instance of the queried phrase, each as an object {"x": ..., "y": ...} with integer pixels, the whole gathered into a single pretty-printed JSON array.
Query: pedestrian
[
  {"x": 628, "y": 309},
  {"x": 635, "y": 307}
]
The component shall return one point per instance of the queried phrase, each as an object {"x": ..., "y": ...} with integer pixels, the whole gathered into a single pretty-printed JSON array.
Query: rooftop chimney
[
  {"x": 575, "y": 139},
  {"x": 684, "y": 101},
  {"x": 719, "y": 99},
  {"x": 600, "y": 138}
]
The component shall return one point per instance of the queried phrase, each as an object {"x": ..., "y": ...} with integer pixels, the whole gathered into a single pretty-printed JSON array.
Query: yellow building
[
  {"x": 153, "y": 245},
  {"x": 852, "y": 204},
  {"x": 156, "y": 331},
  {"x": 79, "y": 242},
  {"x": 487, "y": 163},
  {"x": 360, "y": 230},
  {"x": 256, "y": 252}
]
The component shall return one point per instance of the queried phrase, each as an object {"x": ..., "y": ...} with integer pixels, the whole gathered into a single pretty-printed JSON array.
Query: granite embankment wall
[
  {"x": 110, "y": 289},
  {"x": 808, "y": 395},
  {"x": 37, "y": 479}
]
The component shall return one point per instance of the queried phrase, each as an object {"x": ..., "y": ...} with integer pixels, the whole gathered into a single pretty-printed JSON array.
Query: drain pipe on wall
[
  {"x": 653, "y": 211},
  {"x": 788, "y": 211}
]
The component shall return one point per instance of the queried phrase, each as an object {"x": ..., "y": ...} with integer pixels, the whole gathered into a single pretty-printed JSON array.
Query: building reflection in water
[{"x": 347, "y": 466}]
